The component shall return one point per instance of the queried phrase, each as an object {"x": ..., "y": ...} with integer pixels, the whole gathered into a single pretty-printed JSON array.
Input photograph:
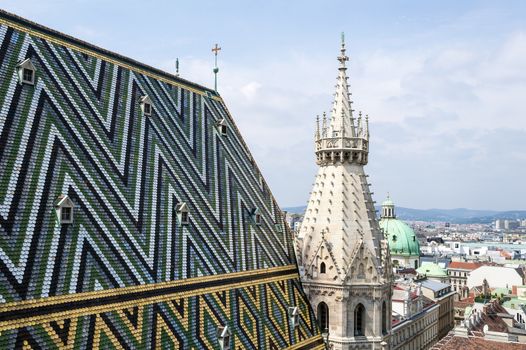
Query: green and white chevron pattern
[{"x": 79, "y": 131}]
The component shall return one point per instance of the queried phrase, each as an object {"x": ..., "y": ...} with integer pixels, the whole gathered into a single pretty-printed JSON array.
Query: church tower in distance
[{"x": 344, "y": 257}]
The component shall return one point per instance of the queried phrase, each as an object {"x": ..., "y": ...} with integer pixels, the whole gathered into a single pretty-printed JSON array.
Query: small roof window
[
  {"x": 26, "y": 72},
  {"x": 256, "y": 216},
  {"x": 222, "y": 126},
  {"x": 294, "y": 316},
  {"x": 182, "y": 214},
  {"x": 223, "y": 337},
  {"x": 146, "y": 105},
  {"x": 64, "y": 210}
]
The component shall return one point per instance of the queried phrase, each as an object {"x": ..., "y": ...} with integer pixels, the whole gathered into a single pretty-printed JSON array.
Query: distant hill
[
  {"x": 296, "y": 210},
  {"x": 457, "y": 216}
]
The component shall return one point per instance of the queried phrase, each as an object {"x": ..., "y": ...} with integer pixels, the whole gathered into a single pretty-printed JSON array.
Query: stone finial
[
  {"x": 177, "y": 67},
  {"x": 359, "y": 125},
  {"x": 366, "y": 128},
  {"x": 317, "y": 127}
]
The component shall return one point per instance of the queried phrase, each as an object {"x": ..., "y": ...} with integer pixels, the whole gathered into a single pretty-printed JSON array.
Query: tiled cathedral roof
[{"x": 130, "y": 271}]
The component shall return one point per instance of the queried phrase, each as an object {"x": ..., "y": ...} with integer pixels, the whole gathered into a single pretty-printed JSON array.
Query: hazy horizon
[
  {"x": 443, "y": 83},
  {"x": 409, "y": 207}
]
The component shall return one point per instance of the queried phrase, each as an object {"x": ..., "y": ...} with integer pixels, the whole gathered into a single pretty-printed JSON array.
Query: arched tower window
[
  {"x": 416, "y": 264},
  {"x": 359, "y": 320},
  {"x": 384, "y": 318},
  {"x": 322, "y": 267},
  {"x": 323, "y": 316}
]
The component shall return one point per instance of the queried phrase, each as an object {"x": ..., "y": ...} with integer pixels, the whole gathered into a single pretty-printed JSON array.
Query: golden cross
[{"x": 216, "y": 49}]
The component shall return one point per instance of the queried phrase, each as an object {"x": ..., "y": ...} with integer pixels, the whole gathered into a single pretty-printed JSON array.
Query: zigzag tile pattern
[{"x": 79, "y": 131}]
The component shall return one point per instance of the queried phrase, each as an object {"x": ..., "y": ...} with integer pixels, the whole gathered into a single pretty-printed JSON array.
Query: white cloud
[
  {"x": 440, "y": 117},
  {"x": 445, "y": 91},
  {"x": 250, "y": 90}
]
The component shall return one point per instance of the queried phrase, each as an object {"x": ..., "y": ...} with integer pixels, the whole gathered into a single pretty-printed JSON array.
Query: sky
[{"x": 444, "y": 83}]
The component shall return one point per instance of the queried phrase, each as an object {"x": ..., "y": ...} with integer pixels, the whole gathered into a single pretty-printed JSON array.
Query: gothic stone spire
[
  {"x": 342, "y": 122},
  {"x": 343, "y": 253},
  {"x": 342, "y": 141}
]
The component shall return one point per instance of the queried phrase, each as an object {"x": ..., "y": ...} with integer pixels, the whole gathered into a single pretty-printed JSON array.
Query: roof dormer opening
[
  {"x": 26, "y": 72},
  {"x": 294, "y": 316},
  {"x": 256, "y": 216},
  {"x": 64, "y": 210},
  {"x": 223, "y": 337},
  {"x": 182, "y": 214},
  {"x": 222, "y": 127},
  {"x": 146, "y": 105}
]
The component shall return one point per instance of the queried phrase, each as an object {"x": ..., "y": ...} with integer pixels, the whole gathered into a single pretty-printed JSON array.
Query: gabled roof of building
[
  {"x": 503, "y": 271},
  {"x": 461, "y": 265},
  {"x": 464, "y": 303},
  {"x": 406, "y": 271},
  {"x": 514, "y": 303},
  {"x": 491, "y": 317},
  {"x": 432, "y": 270},
  {"x": 433, "y": 285},
  {"x": 400, "y": 294},
  {"x": 452, "y": 342}
]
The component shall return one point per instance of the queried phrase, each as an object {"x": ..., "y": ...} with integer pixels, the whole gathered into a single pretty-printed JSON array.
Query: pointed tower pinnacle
[
  {"x": 366, "y": 129},
  {"x": 324, "y": 125},
  {"x": 341, "y": 119},
  {"x": 342, "y": 140},
  {"x": 317, "y": 134},
  {"x": 359, "y": 126}
]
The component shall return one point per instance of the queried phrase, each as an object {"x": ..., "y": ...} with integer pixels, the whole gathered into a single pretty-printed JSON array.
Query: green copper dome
[
  {"x": 432, "y": 270},
  {"x": 401, "y": 237}
]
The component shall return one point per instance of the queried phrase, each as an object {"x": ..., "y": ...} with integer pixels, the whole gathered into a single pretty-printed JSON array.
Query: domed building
[{"x": 403, "y": 244}]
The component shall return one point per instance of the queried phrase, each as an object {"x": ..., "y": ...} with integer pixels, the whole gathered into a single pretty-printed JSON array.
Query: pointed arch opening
[
  {"x": 384, "y": 318},
  {"x": 359, "y": 320},
  {"x": 322, "y": 267},
  {"x": 361, "y": 271},
  {"x": 323, "y": 316}
]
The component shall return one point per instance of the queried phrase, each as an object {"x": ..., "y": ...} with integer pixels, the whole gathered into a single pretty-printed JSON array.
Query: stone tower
[{"x": 345, "y": 263}]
